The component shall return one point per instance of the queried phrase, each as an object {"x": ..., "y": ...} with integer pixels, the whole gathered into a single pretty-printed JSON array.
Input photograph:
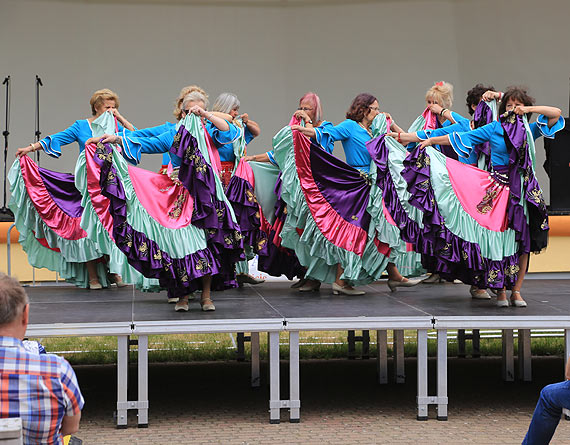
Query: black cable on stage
[
  {"x": 38, "y": 133},
  {"x": 5, "y": 213}
]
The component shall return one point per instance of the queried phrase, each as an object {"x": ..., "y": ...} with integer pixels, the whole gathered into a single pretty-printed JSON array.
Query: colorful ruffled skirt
[
  {"x": 48, "y": 211},
  {"x": 172, "y": 229},
  {"x": 454, "y": 214},
  {"x": 327, "y": 219}
]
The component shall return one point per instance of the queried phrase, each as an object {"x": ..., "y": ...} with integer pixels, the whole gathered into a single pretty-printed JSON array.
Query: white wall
[{"x": 270, "y": 55}]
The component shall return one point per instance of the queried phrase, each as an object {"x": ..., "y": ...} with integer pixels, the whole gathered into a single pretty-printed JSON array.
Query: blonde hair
[
  {"x": 442, "y": 92},
  {"x": 180, "y": 99},
  {"x": 100, "y": 96}
]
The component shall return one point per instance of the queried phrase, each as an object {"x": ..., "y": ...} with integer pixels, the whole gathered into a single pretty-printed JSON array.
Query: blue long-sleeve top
[
  {"x": 324, "y": 124},
  {"x": 134, "y": 146},
  {"x": 353, "y": 137},
  {"x": 154, "y": 131},
  {"x": 458, "y": 127},
  {"x": 79, "y": 132},
  {"x": 223, "y": 140},
  {"x": 493, "y": 133}
]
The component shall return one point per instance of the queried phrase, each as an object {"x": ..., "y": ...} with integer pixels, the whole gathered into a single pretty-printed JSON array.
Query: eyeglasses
[
  {"x": 304, "y": 109},
  {"x": 374, "y": 108}
]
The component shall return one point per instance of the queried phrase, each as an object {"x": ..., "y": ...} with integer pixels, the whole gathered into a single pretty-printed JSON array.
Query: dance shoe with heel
[
  {"x": 433, "y": 279},
  {"x": 117, "y": 280},
  {"x": 207, "y": 305},
  {"x": 310, "y": 285},
  {"x": 517, "y": 302},
  {"x": 299, "y": 283},
  {"x": 393, "y": 284},
  {"x": 95, "y": 285},
  {"x": 243, "y": 278},
  {"x": 181, "y": 305},
  {"x": 479, "y": 294},
  {"x": 502, "y": 299},
  {"x": 345, "y": 290}
]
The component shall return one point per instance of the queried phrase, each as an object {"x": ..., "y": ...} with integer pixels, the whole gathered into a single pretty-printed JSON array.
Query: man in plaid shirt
[{"x": 41, "y": 389}]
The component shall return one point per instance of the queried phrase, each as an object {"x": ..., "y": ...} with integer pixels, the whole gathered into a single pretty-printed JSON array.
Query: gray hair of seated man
[
  {"x": 13, "y": 298},
  {"x": 225, "y": 103}
]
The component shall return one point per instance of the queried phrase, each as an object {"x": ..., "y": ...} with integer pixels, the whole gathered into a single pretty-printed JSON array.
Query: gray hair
[
  {"x": 225, "y": 103},
  {"x": 195, "y": 96},
  {"x": 13, "y": 299}
]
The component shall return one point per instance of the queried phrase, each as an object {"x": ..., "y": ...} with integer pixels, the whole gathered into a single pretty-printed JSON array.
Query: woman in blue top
[
  {"x": 101, "y": 101},
  {"x": 229, "y": 103},
  {"x": 354, "y": 133},
  {"x": 282, "y": 261},
  {"x": 134, "y": 146},
  {"x": 230, "y": 155},
  {"x": 310, "y": 112},
  {"x": 474, "y": 96},
  {"x": 517, "y": 101}
]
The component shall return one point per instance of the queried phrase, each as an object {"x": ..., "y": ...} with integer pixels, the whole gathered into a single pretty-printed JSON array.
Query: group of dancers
[{"x": 452, "y": 196}]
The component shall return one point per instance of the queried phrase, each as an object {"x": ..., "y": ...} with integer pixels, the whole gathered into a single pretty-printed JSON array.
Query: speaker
[{"x": 557, "y": 166}]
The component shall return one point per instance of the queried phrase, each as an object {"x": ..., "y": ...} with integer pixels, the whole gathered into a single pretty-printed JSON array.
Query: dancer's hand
[
  {"x": 23, "y": 151},
  {"x": 488, "y": 96},
  {"x": 403, "y": 138},
  {"x": 521, "y": 110},
  {"x": 105, "y": 139},
  {"x": 249, "y": 158},
  {"x": 425, "y": 143},
  {"x": 435, "y": 108},
  {"x": 198, "y": 111},
  {"x": 302, "y": 114},
  {"x": 245, "y": 118}
]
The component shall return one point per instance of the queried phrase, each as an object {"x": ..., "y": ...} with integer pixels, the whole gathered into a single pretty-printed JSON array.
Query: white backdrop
[{"x": 269, "y": 53}]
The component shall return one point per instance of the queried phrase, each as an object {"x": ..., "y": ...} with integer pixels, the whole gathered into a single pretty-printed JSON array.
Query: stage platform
[{"x": 273, "y": 307}]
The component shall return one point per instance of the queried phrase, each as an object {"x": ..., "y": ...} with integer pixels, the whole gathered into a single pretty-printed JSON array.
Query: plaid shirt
[{"x": 39, "y": 388}]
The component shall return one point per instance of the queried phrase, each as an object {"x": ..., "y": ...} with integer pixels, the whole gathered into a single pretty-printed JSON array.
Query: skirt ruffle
[
  {"x": 59, "y": 245},
  {"x": 451, "y": 241},
  {"x": 362, "y": 257}
]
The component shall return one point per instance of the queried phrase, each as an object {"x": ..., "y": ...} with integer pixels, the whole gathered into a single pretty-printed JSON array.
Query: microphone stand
[
  {"x": 38, "y": 133},
  {"x": 6, "y": 214}
]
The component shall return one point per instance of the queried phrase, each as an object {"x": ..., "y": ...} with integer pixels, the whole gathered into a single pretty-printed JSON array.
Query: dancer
[
  {"x": 484, "y": 114},
  {"x": 240, "y": 192},
  {"x": 231, "y": 153},
  {"x": 354, "y": 132},
  {"x": 438, "y": 114},
  {"x": 279, "y": 260},
  {"x": 50, "y": 230},
  {"x": 512, "y": 188},
  {"x": 184, "y": 225}
]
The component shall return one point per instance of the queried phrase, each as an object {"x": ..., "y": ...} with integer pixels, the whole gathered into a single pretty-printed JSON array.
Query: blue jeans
[{"x": 547, "y": 413}]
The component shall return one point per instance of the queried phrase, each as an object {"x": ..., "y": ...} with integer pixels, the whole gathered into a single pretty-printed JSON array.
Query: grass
[{"x": 314, "y": 345}]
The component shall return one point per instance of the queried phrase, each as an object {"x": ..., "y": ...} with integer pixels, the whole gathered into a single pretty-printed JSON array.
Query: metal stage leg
[
  {"x": 461, "y": 343},
  {"x": 294, "y": 384},
  {"x": 351, "y": 340},
  {"x": 422, "y": 399},
  {"x": 142, "y": 403},
  {"x": 122, "y": 382},
  {"x": 274, "y": 396},
  {"x": 442, "y": 374},
  {"x": 382, "y": 359},
  {"x": 476, "y": 334},
  {"x": 255, "y": 380},
  {"x": 240, "y": 347},
  {"x": 524, "y": 355},
  {"x": 399, "y": 372},
  {"x": 508, "y": 356},
  {"x": 565, "y": 411}
]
